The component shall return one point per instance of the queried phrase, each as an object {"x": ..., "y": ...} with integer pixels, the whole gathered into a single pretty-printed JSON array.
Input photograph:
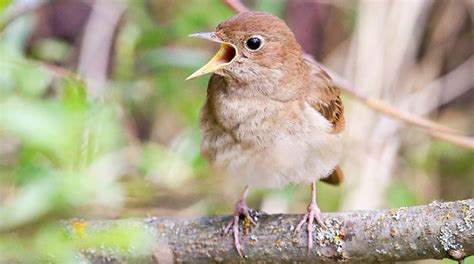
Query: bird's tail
[{"x": 335, "y": 178}]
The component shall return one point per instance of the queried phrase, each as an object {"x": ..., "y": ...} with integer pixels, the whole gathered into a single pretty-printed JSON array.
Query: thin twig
[
  {"x": 435, "y": 129},
  {"x": 236, "y": 5},
  {"x": 55, "y": 70},
  {"x": 462, "y": 141}
]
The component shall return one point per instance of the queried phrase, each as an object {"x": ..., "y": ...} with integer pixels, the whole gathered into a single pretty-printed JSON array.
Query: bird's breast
[
  {"x": 268, "y": 144},
  {"x": 254, "y": 121}
]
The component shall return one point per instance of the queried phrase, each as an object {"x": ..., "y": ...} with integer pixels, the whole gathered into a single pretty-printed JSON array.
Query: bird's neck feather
[{"x": 284, "y": 83}]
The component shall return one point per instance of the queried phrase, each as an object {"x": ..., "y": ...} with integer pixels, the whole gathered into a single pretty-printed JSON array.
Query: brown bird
[{"x": 272, "y": 116}]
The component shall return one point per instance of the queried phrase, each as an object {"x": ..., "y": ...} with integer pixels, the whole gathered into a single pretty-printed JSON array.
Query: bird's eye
[{"x": 254, "y": 43}]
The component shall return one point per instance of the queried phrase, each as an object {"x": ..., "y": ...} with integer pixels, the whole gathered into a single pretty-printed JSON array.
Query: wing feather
[{"x": 324, "y": 96}]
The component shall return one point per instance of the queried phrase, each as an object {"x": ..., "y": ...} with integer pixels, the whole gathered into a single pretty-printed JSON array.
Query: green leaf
[
  {"x": 74, "y": 94},
  {"x": 20, "y": 75}
]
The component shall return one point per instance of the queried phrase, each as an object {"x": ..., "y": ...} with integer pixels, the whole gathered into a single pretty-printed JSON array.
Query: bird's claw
[
  {"x": 241, "y": 208},
  {"x": 313, "y": 213}
]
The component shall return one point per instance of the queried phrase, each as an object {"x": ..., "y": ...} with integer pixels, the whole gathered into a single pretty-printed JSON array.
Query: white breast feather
[{"x": 305, "y": 156}]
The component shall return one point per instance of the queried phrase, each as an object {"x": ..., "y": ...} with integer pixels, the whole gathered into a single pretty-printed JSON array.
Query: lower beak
[{"x": 223, "y": 57}]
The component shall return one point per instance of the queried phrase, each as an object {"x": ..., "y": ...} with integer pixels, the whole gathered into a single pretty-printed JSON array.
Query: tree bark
[{"x": 434, "y": 231}]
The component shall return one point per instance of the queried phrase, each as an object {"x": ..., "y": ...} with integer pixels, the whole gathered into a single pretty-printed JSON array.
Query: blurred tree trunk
[{"x": 64, "y": 20}]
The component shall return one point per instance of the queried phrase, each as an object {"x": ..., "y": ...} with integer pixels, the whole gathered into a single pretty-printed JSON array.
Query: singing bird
[{"x": 272, "y": 116}]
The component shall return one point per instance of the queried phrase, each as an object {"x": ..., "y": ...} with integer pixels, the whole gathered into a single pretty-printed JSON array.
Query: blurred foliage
[
  {"x": 3, "y": 5},
  {"x": 57, "y": 144},
  {"x": 64, "y": 153}
]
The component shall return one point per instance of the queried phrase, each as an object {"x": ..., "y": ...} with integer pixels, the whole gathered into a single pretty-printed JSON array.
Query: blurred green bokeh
[{"x": 65, "y": 153}]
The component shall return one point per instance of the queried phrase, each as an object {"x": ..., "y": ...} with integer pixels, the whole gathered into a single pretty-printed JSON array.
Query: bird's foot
[
  {"x": 241, "y": 209},
  {"x": 313, "y": 213}
]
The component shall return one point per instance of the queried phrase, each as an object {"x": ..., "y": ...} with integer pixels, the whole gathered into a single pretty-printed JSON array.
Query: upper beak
[{"x": 223, "y": 57}]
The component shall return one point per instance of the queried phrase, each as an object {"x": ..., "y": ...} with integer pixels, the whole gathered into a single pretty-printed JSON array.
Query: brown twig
[
  {"x": 55, "y": 70},
  {"x": 435, "y": 129},
  {"x": 236, "y": 5},
  {"x": 462, "y": 141},
  {"x": 433, "y": 231}
]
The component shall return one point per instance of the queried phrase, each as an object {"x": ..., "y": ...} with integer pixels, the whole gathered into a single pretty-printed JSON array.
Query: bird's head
[{"x": 252, "y": 44}]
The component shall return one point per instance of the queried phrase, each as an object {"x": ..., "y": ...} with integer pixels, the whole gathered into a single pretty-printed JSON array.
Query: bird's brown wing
[
  {"x": 324, "y": 96},
  {"x": 335, "y": 178}
]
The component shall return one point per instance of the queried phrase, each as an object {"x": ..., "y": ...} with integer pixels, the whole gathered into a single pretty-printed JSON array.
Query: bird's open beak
[{"x": 223, "y": 57}]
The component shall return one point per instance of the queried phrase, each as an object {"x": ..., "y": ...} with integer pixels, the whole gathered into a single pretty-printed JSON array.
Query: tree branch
[
  {"x": 236, "y": 6},
  {"x": 434, "y": 129},
  {"x": 437, "y": 230}
]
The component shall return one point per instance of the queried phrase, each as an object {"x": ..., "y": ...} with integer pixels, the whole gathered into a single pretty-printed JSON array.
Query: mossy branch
[{"x": 434, "y": 231}]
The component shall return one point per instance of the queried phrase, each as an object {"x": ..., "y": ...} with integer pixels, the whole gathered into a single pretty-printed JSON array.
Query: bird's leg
[
  {"x": 313, "y": 213},
  {"x": 241, "y": 208}
]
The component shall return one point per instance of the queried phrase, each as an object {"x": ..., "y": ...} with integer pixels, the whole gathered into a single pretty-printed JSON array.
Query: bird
[{"x": 272, "y": 115}]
